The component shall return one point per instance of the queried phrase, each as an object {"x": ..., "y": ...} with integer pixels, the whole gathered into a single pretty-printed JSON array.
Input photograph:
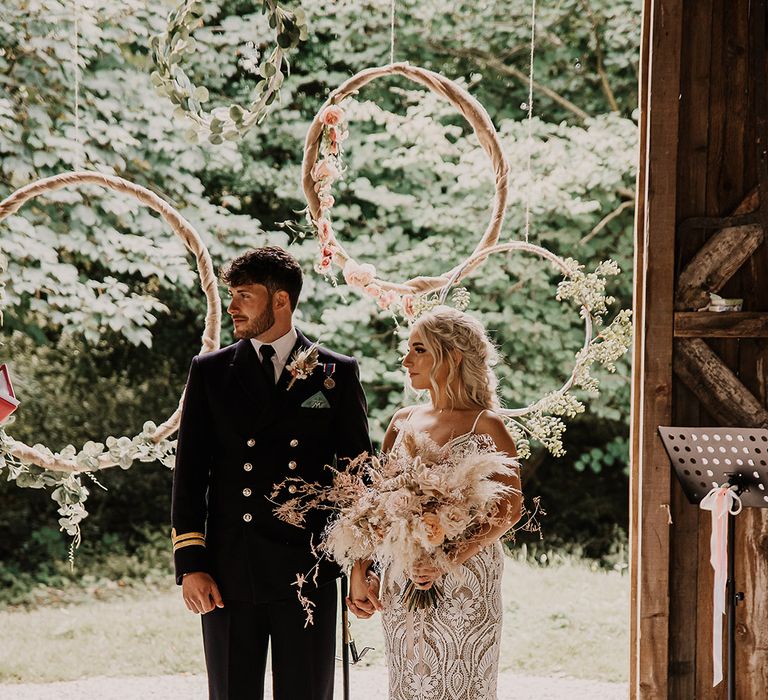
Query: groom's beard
[{"x": 257, "y": 326}]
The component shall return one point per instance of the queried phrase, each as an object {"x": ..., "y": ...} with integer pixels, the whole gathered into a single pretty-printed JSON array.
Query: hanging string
[
  {"x": 392, "y": 32},
  {"x": 529, "y": 105},
  {"x": 78, "y": 164}
]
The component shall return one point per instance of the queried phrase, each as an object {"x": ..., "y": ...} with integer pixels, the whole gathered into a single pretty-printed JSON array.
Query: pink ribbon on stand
[{"x": 722, "y": 501}]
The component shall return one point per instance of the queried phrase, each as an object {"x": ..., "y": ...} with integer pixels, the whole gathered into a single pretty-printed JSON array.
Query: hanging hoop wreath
[
  {"x": 542, "y": 420},
  {"x": 322, "y": 167},
  {"x": 38, "y": 466},
  {"x": 223, "y": 123},
  {"x": 151, "y": 443}
]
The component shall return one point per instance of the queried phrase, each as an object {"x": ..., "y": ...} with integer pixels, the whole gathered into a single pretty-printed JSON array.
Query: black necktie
[{"x": 266, "y": 353}]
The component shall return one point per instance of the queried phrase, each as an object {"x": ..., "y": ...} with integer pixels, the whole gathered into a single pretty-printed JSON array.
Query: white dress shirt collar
[{"x": 283, "y": 346}]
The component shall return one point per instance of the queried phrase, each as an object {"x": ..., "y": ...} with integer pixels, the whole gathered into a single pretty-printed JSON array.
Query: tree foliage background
[{"x": 103, "y": 309}]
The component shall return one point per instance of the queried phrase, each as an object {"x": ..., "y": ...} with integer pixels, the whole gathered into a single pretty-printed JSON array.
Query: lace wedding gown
[{"x": 451, "y": 651}]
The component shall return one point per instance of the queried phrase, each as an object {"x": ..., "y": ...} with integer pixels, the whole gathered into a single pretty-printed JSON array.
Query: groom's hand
[
  {"x": 201, "y": 594},
  {"x": 363, "y": 599}
]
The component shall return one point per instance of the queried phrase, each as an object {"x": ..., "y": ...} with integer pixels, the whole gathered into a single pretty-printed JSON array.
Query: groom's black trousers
[{"x": 236, "y": 638}]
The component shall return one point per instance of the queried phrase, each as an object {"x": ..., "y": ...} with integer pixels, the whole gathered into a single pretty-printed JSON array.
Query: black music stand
[{"x": 705, "y": 458}]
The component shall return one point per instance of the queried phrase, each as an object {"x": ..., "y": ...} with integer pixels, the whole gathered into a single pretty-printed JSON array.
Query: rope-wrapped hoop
[
  {"x": 542, "y": 420},
  {"x": 192, "y": 241},
  {"x": 558, "y": 262},
  {"x": 483, "y": 127}
]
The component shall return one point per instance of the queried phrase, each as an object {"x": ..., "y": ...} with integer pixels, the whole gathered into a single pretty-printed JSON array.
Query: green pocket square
[{"x": 317, "y": 400}]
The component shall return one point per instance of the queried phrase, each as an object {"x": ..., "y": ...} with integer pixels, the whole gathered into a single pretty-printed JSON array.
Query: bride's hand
[
  {"x": 424, "y": 575},
  {"x": 363, "y": 599}
]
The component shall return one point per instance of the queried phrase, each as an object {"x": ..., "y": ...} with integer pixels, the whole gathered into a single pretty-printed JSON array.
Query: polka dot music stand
[{"x": 707, "y": 458}]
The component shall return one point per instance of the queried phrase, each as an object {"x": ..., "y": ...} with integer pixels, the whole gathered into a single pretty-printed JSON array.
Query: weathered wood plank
[
  {"x": 752, "y": 572},
  {"x": 655, "y": 302},
  {"x": 752, "y": 525},
  {"x": 717, "y": 261},
  {"x": 716, "y": 109},
  {"x": 691, "y": 202},
  {"x": 728, "y": 324},
  {"x": 719, "y": 390},
  {"x": 635, "y": 433}
]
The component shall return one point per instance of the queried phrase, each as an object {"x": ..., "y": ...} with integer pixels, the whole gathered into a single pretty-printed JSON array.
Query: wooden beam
[
  {"x": 718, "y": 389},
  {"x": 635, "y": 433},
  {"x": 654, "y": 306},
  {"x": 728, "y": 324},
  {"x": 752, "y": 529},
  {"x": 716, "y": 262},
  {"x": 692, "y": 155}
]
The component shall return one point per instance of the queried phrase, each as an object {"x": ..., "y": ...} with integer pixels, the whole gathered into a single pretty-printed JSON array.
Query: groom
[{"x": 248, "y": 423}]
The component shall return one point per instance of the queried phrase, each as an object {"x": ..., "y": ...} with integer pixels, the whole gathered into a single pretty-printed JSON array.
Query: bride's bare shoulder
[
  {"x": 491, "y": 423},
  {"x": 401, "y": 414}
]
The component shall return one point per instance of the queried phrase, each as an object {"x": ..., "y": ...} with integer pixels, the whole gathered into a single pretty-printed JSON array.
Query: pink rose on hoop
[
  {"x": 325, "y": 171},
  {"x": 357, "y": 275},
  {"x": 323, "y": 265},
  {"x": 324, "y": 174},
  {"x": 332, "y": 115},
  {"x": 387, "y": 298},
  {"x": 407, "y": 305},
  {"x": 324, "y": 231}
]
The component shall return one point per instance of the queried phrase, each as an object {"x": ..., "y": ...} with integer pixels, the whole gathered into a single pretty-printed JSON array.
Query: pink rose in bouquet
[{"x": 433, "y": 528}]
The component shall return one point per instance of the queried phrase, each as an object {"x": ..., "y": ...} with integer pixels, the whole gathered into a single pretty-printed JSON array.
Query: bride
[{"x": 450, "y": 651}]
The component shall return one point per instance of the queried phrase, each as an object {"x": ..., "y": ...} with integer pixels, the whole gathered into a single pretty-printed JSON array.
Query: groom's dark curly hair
[{"x": 271, "y": 266}]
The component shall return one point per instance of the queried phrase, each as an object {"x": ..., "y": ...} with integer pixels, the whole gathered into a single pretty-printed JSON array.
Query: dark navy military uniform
[{"x": 240, "y": 434}]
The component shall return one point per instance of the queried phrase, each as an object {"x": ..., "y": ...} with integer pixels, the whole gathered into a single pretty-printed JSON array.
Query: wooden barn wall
[
  {"x": 717, "y": 167},
  {"x": 703, "y": 105}
]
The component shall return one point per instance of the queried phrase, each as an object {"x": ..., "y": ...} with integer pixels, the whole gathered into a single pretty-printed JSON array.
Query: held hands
[
  {"x": 201, "y": 594},
  {"x": 425, "y": 574},
  {"x": 363, "y": 599}
]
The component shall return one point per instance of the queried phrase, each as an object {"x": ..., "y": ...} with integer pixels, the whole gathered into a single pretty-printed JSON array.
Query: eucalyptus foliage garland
[
  {"x": 170, "y": 80},
  {"x": 69, "y": 491}
]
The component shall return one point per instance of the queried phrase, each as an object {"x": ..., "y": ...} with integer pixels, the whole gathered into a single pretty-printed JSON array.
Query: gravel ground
[{"x": 367, "y": 683}]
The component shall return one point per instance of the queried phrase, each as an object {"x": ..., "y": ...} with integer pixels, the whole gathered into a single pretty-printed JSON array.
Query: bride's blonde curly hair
[{"x": 445, "y": 330}]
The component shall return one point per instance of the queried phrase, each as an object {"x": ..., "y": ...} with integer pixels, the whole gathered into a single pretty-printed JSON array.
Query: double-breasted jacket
[{"x": 239, "y": 435}]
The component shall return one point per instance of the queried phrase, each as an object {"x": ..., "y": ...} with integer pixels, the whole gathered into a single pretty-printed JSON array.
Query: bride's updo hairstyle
[{"x": 445, "y": 330}]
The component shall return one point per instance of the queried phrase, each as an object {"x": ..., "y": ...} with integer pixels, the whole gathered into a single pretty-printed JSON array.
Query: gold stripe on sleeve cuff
[
  {"x": 189, "y": 543},
  {"x": 189, "y": 536},
  {"x": 186, "y": 536}
]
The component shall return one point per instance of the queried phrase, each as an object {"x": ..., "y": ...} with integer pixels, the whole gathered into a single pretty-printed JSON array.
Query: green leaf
[{"x": 200, "y": 93}]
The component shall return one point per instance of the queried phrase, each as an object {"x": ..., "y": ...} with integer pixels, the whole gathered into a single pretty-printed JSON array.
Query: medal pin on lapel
[{"x": 329, "y": 370}]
